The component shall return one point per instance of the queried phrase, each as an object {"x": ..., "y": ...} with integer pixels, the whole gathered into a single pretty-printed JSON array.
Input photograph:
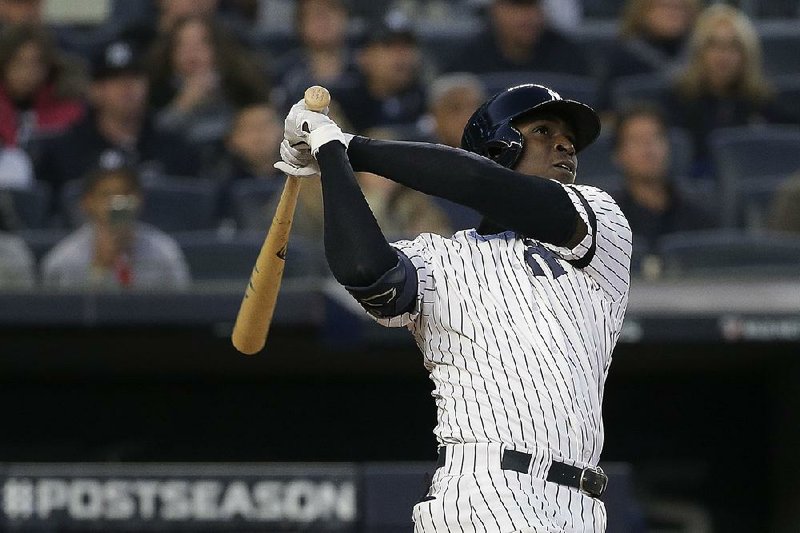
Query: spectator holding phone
[{"x": 113, "y": 249}]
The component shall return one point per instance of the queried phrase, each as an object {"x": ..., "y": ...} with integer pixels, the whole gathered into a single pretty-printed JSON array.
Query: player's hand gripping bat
[{"x": 255, "y": 313}]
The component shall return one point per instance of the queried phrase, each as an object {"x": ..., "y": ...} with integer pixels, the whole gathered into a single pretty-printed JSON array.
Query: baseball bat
[{"x": 258, "y": 304}]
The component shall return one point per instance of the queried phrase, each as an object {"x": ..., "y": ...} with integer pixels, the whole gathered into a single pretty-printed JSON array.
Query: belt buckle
[{"x": 592, "y": 491}]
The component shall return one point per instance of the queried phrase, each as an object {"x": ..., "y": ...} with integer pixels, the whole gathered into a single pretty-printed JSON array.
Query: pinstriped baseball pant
[{"x": 472, "y": 494}]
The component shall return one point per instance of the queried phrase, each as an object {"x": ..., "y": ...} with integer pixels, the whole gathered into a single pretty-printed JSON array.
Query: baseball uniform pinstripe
[{"x": 517, "y": 336}]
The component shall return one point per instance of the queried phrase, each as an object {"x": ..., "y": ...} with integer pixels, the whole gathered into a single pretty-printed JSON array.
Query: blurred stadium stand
[
  {"x": 247, "y": 199},
  {"x": 580, "y": 88},
  {"x": 700, "y": 407},
  {"x": 629, "y": 90},
  {"x": 213, "y": 256},
  {"x": 747, "y": 159},
  {"x": 30, "y": 207},
  {"x": 721, "y": 253},
  {"x": 596, "y": 163}
]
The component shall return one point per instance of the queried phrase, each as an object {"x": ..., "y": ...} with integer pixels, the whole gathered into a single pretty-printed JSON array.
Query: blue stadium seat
[
  {"x": 247, "y": 199},
  {"x": 629, "y": 90},
  {"x": 745, "y": 157},
  {"x": 581, "y": 88},
  {"x": 170, "y": 203},
  {"x": 729, "y": 253},
  {"x": 597, "y": 39},
  {"x": 31, "y": 206},
  {"x": 780, "y": 46},
  {"x": 212, "y": 257},
  {"x": 70, "y": 203},
  {"x": 181, "y": 204},
  {"x": 788, "y": 92},
  {"x": 41, "y": 240}
]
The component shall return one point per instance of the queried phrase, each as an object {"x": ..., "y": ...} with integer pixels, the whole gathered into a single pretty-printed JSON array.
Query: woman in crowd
[
  {"x": 40, "y": 91},
  {"x": 199, "y": 76},
  {"x": 323, "y": 57},
  {"x": 723, "y": 84},
  {"x": 652, "y": 40}
]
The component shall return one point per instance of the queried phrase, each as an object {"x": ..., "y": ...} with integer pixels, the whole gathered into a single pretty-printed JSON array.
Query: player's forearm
[
  {"x": 356, "y": 250},
  {"x": 536, "y": 207}
]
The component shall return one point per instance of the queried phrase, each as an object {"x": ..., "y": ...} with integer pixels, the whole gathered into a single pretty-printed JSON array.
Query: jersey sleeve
[
  {"x": 605, "y": 252},
  {"x": 418, "y": 253}
]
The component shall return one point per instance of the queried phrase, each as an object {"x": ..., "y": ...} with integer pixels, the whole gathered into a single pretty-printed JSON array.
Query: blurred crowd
[{"x": 137, "y": 139}]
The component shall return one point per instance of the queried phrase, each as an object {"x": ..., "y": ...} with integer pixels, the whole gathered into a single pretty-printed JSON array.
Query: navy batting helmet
[{"x": 490, "y": 132}]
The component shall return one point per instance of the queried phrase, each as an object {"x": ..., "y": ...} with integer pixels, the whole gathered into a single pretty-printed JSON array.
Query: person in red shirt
[{"x": 40, "y": 91}]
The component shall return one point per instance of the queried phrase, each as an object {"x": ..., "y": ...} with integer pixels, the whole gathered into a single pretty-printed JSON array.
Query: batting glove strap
[
  {"x": 324, "y": 134},
  {"x": 301, "y": 172}
]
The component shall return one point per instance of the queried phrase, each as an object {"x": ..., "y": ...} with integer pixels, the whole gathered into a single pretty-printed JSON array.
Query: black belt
[{"x": 592, "y": 481}]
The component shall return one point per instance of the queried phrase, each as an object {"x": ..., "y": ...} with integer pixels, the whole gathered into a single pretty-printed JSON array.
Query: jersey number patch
[{"x": 549, "y": 259}]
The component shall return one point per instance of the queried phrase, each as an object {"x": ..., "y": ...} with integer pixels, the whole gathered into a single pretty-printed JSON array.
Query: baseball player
[{"x": 516, "y": 319}]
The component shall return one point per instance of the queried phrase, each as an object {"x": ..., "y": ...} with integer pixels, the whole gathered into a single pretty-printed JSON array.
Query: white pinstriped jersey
[{"x": 517, "y": 339}]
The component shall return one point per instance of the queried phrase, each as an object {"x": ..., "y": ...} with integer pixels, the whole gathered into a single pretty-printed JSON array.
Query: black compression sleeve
[
  {"x": 536, "y": 207},
  {"x": 356, "y": 250}
]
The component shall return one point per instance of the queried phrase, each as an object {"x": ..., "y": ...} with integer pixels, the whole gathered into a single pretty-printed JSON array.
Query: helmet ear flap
[{"x": 505, "y": 146}]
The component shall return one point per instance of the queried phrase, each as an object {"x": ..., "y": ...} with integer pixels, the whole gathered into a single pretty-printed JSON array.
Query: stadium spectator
[
  {"x": 17, "y": 263},
  {"x": 118, "y": 129},
  {"x": 452, "y": 98},
  {"x": 14, "y": 12},
  {"x": 388, "y": 89},
  {"x": 40, "y": 91},
  {"x": 785, "y": 208},
  {"x": 199, "y": 76},
  {"x": 723, "y": 83},
  {"x": 324, "y": 56},
  {"x": 113, "y": 250},
  {"x": 518, "y": 37},
  {"x": 652, "y": 40},
  {"x": 251, "y": 145},
  {"x": 650, "y": 198},
  {"x": 172, "y": 11},
  {"x": 251, "y": 148}
]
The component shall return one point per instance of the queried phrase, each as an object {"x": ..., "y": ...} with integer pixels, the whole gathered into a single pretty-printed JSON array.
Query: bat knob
[{"x": 317, "y": 98}]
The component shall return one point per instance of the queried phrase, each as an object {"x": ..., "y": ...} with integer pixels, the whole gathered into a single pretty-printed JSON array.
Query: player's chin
[{"x": 561, "y": 175}]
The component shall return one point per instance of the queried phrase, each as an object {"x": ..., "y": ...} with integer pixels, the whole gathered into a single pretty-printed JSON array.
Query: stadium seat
[
  {"x": 729, "y": 253},
  {"x": 581, "y": 88},
  {"x": 629, "y": 90},
  {"x": 41, "y": 240},
  {"x": 746, "y": 157},
  {"x": 70, "y": 203},
  {"x": 247, "y": 199},
  {"x": 181, "y": 204},
  {"x": 170, "y": 203},
  {"x": 788, "y": 92},
  {"x": 31, "y": 206},
  {"x": 214, "y": 258},
  {"x": 780, "y": 48},
  {"x": 597, "y": 39}
]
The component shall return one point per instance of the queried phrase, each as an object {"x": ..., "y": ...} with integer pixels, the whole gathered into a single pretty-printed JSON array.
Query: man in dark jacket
[
  {"x": 118, "y": 131},
  {"x": 518, "y": 38}
]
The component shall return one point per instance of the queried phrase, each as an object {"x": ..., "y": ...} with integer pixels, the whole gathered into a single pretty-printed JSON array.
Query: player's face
[{"x": 549, "y": 149}]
